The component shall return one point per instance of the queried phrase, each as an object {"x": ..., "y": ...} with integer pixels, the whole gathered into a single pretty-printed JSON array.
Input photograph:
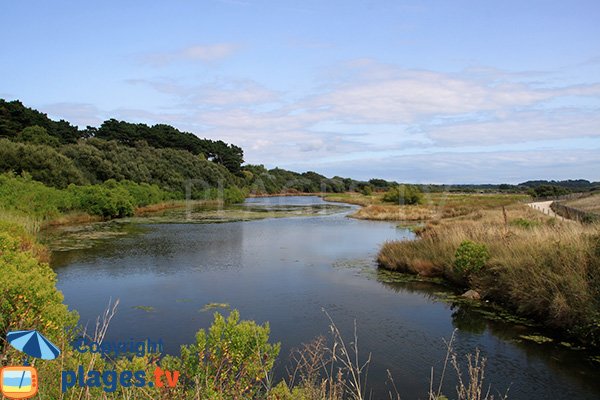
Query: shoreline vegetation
[{"x": 539, "y": 267}]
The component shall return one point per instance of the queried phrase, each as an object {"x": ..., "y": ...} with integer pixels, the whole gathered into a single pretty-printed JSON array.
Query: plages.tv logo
[
  {"x": 21, "y": 382},
  {"x": 110, "y": 380}
]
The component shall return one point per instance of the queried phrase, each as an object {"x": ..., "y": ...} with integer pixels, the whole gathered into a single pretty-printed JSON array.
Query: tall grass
[
  {"x": 589, "y": 203},
  {"x": 546, "y": 269},
  {"x": 434, "y": 205}
]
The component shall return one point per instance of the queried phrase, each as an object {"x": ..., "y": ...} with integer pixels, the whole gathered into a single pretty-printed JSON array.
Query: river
[{"x": 286, "y": 271}]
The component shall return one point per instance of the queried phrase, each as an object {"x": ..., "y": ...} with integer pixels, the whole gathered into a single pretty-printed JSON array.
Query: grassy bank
[
  {"x": 589, "y": 204},
  {"x": 538, "y": 266},
  {"x": 434, "y": 205}
]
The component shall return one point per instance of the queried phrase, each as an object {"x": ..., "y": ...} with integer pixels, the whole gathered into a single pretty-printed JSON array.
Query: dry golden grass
[
  {"x": 395, "y": 213},
  {"x": 173, "y": 204},
  {"x": 589, "y": 204},
  {"x": 167, "y": 205},
  {"x": 353, "y": 198},
  {"x": 436, "y": 205},
  {"x": 540, "y": 266},
  {"x": 72, "y": 218}
]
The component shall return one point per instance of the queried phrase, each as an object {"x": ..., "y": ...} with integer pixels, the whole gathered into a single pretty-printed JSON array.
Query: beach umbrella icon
[{"x": 33, "y": 343}]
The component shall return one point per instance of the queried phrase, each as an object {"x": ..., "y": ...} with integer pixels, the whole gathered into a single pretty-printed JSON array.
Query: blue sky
[{"x": 415, "y": 91}]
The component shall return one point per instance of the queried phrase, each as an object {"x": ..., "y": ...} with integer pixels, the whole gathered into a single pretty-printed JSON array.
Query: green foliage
[
  {"x": 44, "y": 163},
  {"x": 234, "y": 195},
  {"x": 142, "y": 194},
  {"x": 260, "y": 180},
  {"x": 103, "y": 201},
  {"x": 381, "y": 184},
  {"x": 172, "y": 170},
  {"x": 470, "y": 257},
  {"x": 28, "y": 297},
  {"x": 404, "y": 194},
  {"x": 19, "y": 123},
  {"x": 549, "y": 191},
  {"x": 22, "y": 194},
  {"x": 109, "y": 200},
  {"x": 231, "y": 361},
  {"x": 366, "y": 190},
  {"x": 15, "y": 117},
  {"x": 524, "y": 223},
  {"x": 165, "y": 136},
  {"x": 37, "y": 135}
]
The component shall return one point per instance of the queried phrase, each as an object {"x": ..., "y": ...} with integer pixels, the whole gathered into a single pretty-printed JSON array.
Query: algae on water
[{"x": 213, "y": 306}]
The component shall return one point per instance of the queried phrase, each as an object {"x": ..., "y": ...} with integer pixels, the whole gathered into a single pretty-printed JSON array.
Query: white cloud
[
  {"x": 409, "y": 96},
  {"x": 232, "y": 93},
  {"x": 206, "y": 53},
  {"x": 522, "y": 126},
  {"x": 80, "y": 114},
  {"x": 485, "y": 167},
  {"x": 447, "y": 126}
]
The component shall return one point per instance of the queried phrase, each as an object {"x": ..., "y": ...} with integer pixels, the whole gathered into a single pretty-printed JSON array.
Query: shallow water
[{"x": 285, "y": 271}]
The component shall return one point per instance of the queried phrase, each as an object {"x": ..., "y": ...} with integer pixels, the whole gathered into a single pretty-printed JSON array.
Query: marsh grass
[
  {"x": 546, "y": 269},
  {"x": 334, "y": 369},
  {"x": 28, "y": 223},
  {"x": 470, "y": 386},
  {"x": 589, "y": 203},
  {"x": 435, "y": 205}
]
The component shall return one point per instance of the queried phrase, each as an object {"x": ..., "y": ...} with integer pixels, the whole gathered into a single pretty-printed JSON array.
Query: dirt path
[{"x": 544, "y": 207}]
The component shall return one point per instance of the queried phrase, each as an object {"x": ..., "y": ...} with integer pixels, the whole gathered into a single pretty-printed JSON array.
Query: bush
[
  {"x": 366, "y": 190},
  {"x": 21, "y": 193},
  {"x": 37, "y": 135},
  {"x": 103, "y": 201},
  {"x": 142, "y": 194},
  {"x": 44, "y": 163},
  {"x": 28, "y": 297},
  {"x": 404, "y": 194},
  {"x": 234, "y": 195},
  {"x": 470, "y": 257},
  {"x": 231, "y": 361}
]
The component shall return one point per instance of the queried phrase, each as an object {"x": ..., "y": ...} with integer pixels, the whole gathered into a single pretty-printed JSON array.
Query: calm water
[{"x": 285, "y": 271}]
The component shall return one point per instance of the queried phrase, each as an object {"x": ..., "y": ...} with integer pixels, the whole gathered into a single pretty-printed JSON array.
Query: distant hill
[{"x": 573, "y": 185}]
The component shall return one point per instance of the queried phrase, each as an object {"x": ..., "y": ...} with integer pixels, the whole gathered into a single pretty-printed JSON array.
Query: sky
[{"x": 414, "y": 91}]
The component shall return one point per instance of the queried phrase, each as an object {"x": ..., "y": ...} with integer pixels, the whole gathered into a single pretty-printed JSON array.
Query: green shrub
[
  {"x": 234, "y": 195},
  {"x": 103, "y": 201},
  {"x": 23, "y": 194},
  {"x": 142, "y": 194},
  {"x": 231, "y": 361},
  {"x": 366, "y": 190},
  {"x": 404, "y": 194},
  {"x": 470, "y": 257},
  {"x": 28, "y": 296},
  {"x": 524, "y": 223},
  {"x": 37, "y": 135},
  {"x": 44, "y": 163}
]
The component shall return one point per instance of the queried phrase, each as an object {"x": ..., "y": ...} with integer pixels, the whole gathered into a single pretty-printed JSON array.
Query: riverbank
[
  {"x": 435, "y": 205},
  {"x": 539, "y": 267}
]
